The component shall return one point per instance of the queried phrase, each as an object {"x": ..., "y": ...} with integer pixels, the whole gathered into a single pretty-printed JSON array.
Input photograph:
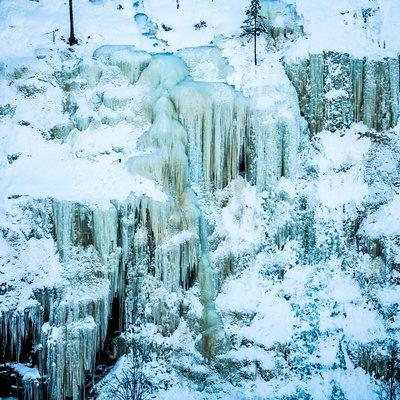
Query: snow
[
  {"x": 385, "y": 221},
  {"x": 206, "y": 63},
  {"x": 221, "y": 17},
  {"x": 340, "y": 26},
  {"x": 87, "y": 167},
  {"x": 242, "y": 294},
  {"x": 274, "y": 322},
  {"x": 26, "y": 372},
  {"x": 128, "y": 126},
  {"x": 45, "y": 16},
  {"x": 388, "y": 296},
  {"x": 355, "y": 383},
  {"x": 71, "y": 178},
  {"x": 240, "y": 224},
  {"x": 341, "y": 170},
  {"x": 35, "y": 267},
  {"x": 357, "y": 322},
  {"x": 87, "y": 21},
  {"x": 329, "y": 25}
]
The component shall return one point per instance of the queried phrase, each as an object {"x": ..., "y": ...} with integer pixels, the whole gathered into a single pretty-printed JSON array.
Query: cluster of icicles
[
  {"x": 198, "y": 134},
  {"x": 202, "y": 136}
]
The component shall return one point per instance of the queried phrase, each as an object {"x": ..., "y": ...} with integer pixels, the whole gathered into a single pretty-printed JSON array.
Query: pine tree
[
  {"x": 72, "y": 39},
  {"x": 255, "y": 24}
]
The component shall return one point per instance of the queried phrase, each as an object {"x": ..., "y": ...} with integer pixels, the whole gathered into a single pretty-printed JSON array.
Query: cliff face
[
  {"x": 336, "y": 90},
  {"x": 201, "y": 136},
  {"x": 240, "y": 220}
]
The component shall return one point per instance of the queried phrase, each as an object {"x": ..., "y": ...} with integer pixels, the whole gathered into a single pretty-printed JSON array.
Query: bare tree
[
  {"x": 390, "y": 388},
  {"x": 72, "y": 39},
  {"x": 255, "y": 24},
  {"x": 132, "y": 383}
]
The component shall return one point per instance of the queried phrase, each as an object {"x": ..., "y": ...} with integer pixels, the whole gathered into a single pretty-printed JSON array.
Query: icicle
[
  {"x": 215, "y": 117},
  {"x": 167, "y": 163},
  {"x": 31, "y": 382},
  {"x": 381, "y": 93},
  {"x": 175, "y": 257},
  {"x": 213, "y": 336},
  {"x": 116, "y": 99},
  {"x": 316, "y": 91},
  {"x": 105, "y": 231},
  {"x": 357, "y": 67},
  {"x": 274, "y": 140},
  {"x": 72, "y": 223},
  {"x": 18, "y": 327},
  {"x": 71, "y": 350}
]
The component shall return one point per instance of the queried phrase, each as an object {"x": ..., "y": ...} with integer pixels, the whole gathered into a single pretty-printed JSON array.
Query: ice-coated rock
[
  {"x": 206, "y": 63},
  {"x": 130, "y": 61},
  {"x": 336, "y": 89}
]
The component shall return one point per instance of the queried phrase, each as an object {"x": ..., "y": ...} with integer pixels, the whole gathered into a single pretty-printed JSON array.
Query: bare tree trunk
[
  {"x": 255, "y": 40},
  {"x": 72, "y": 39},
  {"x": 392, "y": 393},
  {"x": 393, "y": 368}
]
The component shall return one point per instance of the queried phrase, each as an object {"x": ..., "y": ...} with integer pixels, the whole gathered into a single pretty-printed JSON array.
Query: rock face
[
  {"x": 107, "y": 268},
  {"x": 201, "y": 136},
  {"x": 336, "y": 89}
]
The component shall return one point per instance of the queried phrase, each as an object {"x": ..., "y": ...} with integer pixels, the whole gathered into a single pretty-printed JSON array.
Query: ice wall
[
  {"x": 217, "y": 120},
  {"x": 128, "y": 59},
  {"x": 336, "y": 89},
  {"x": 273, "y": 147},
  {"x": 213, "y": 341},
  {"x": 284, "y": 22},
  {"x": 174, "y": 148},
  {"x": 196, "y": 137}
]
